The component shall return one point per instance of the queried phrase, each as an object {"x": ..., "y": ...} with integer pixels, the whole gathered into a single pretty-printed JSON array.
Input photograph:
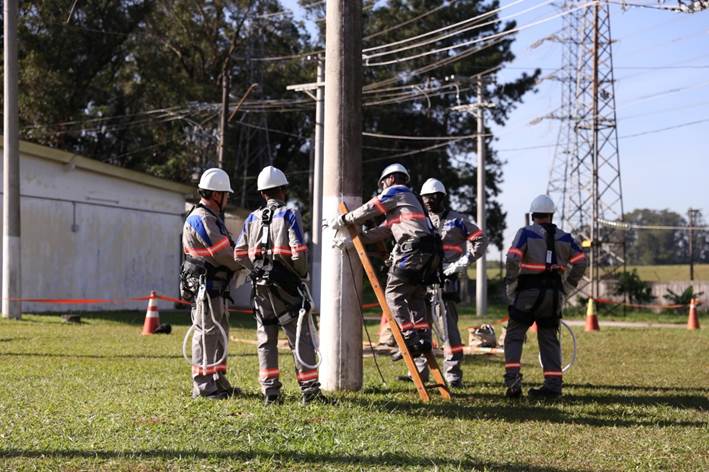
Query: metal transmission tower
[{"x": 585, "y": 178}]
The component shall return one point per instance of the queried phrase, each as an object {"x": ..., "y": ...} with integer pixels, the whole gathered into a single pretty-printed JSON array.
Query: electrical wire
[
  {"x": 457, "y": 32},
  {"x": 423, "y": 15},
  {"x": 423, "y": 138},
  {"x": 627, "y": 136},
  {"x": 413, "y": 152},
  {"x": 477, "y": 40},
  {"x": 447, "y": 27},
  {"x": 366, "y": 330}
]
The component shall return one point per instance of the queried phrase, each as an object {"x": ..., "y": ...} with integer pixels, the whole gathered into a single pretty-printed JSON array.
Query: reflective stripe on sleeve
[
  {"x": 453, "y": 248},
  {"x": 378, "y": 204},
  {"x": 515, "y": 251},
  {"x": 475, "y": 235},
  {"x": 577, "y": 258},
  {"x": 208, "y": 251}
]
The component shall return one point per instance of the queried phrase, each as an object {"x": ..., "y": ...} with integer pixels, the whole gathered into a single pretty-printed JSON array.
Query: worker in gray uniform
[
  {"x": 542, "y": 262},
  {"x": 463, "y": 244},
  {"x": 415, "y": 258},
  {"x": 204, "y": 280},
  {"x": 273, "y": 247}
]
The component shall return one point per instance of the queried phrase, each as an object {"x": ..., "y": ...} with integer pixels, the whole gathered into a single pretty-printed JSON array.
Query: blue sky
[{"x": 668, "y": 169}]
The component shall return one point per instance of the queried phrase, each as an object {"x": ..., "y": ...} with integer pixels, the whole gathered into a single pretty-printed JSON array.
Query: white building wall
[{"x": 90, "y": 235}]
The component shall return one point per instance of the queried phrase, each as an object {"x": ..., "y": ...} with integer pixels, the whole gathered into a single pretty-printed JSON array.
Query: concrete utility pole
[
  {"x": 317, "y": 182},
  {"x": 692, "y": 216},
  {"x": 223, "y": 117},
  {"x": 340, "y": 320},
  {"x": 11, "y": 282},
  {"x": 480, "y": 264}
]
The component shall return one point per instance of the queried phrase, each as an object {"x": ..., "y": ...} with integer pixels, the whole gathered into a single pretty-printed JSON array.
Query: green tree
[
  {"x": 649, "y": 246},
  {"x": 403, "y": 111}
]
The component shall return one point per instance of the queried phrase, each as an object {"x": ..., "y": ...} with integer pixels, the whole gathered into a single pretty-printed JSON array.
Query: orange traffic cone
[
  {"x": 152, "y": 315},
  {"x": 534, "y": 328},
  {"x": 693, "y": 320},
  {"x": 591, "y": 318}
]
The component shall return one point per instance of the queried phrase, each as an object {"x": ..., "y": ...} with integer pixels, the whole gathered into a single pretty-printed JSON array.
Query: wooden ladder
[{"x": 394, "y": 326}]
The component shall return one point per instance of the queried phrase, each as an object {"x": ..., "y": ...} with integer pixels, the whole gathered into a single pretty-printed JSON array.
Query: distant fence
[{"x": 607, "y": 290}]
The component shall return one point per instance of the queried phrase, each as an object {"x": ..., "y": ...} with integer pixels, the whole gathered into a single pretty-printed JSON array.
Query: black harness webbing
[
  {"x": 550, "y": 279},
  {"x": 270, "y": 272}
]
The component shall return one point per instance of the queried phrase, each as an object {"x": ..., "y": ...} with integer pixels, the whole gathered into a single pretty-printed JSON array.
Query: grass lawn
[{"x": 99, "y": 396}]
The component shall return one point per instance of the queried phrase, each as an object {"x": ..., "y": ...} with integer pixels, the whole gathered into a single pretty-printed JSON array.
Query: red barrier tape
[
  {"x": 63, "y": 301},
  {"x": 88, "y": 301}
]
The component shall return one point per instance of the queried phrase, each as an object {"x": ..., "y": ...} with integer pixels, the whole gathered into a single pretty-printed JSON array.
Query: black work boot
[
  {"x": 543, "y": 393},
  {"x": 272, "y": 399},
  {"x": 216, "y": 395},
  {"x": 514, "y": 392},
  {"x": 316, "y": 396}
]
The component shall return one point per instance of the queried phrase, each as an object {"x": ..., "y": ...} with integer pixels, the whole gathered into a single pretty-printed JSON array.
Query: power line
[
  {"x": 476, "y": 40},
  {"x": 457, "y": 32},
  {"x": 429, "y": 33},
  {"x": 627, "y": 136},
  {"x": 445, "y": 4}
]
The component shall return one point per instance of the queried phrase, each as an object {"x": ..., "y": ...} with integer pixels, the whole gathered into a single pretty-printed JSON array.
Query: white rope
[
  {"x": 573, "y": 348},
  {"x": 199, "y": 308},
  {"x": 314, "y": 338},
  {"x": 623, "y": 225}
]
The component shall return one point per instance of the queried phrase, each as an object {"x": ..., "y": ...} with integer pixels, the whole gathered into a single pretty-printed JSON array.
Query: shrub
[
  {"x": 681, "y": 298},
  {"x": 631, "y": 285}
]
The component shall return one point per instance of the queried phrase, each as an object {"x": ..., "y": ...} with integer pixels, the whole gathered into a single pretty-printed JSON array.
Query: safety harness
[
  {"x": 194, "y": 269},
  {"x": 270, "y": 272},
  {"x": 549, "y": 279},
  {"x": 430, "y": 245}
]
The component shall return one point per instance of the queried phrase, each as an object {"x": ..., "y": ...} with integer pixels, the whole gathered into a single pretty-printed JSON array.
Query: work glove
[
  {"x": 342, "y": 241},
  {"x": 336, "y": 222},
  {"x": 457, "y": 267}
]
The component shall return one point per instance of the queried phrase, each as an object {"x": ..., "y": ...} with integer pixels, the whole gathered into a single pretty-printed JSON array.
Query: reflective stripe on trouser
[
  {"x": 549, "y": 349},
  {"x": 213, "y": 378},
  {"x": 267, "y": 343}
]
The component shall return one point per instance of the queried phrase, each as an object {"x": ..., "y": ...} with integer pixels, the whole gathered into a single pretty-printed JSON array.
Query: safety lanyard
[{"x": 551, "y": 246}]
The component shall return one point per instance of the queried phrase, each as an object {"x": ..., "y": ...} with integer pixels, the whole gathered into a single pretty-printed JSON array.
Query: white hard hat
[
  {"x": 542, "y": 204},
  {"x": 271, "y": 177},
  {"x": 394, "y": 169},
  {"x": 433, "y": 186},
  {"x": 216, "y": 180}
]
